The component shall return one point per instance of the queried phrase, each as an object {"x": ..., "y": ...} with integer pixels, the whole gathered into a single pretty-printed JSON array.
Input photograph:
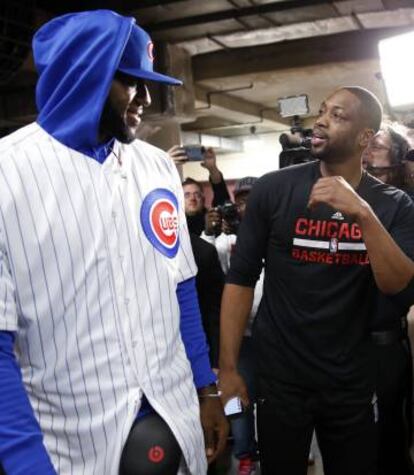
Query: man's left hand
[
  {"x": 215, "y": 426},
  {"x": 336, "y": 192},
  {"x": 210, "y": 163}
]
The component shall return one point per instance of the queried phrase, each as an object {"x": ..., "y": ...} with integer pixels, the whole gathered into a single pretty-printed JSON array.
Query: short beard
[
  {"x": 112, "y": 126},
  {"x": 327, "y": 156}
]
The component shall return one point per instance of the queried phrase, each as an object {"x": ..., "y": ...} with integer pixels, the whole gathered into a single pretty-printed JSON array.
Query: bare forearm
[
  {"x": 391, "y": 267},
  {"x": 236, "y": 305}
]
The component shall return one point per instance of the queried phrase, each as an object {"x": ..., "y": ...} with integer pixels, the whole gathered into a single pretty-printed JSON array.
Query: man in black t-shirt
[{"x": 330, "y": 236}]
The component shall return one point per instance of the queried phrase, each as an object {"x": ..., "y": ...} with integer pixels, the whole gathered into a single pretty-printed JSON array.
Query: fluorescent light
[
  {"x": 398, "y": 70},
  {"x": 294, "y": 105}
]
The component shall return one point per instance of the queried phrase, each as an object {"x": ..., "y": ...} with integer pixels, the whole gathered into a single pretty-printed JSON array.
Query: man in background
[{"x": 195, "y": 209}]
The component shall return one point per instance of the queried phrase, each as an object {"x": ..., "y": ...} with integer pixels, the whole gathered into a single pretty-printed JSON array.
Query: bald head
[
  {"x": 347, "y": 120},
  {"x": 370, "y": 107}
]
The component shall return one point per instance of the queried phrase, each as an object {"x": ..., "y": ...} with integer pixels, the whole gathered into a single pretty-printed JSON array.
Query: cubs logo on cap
[
  {"x": 150, "y": 50},
  {"x": 159, "y": 220}
]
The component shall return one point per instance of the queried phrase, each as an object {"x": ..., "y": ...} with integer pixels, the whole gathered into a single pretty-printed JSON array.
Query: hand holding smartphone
[{"x": 195, "y": 153}]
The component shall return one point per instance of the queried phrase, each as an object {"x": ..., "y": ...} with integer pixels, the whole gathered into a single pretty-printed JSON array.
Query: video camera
[{"x": 295, "y": 147}]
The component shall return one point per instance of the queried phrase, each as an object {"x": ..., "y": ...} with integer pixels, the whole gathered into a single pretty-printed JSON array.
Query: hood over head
[{"x": 76, "y": 56}]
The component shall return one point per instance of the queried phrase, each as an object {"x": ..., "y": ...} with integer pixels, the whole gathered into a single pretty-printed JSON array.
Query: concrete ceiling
[{"x": 243, "y": 54}]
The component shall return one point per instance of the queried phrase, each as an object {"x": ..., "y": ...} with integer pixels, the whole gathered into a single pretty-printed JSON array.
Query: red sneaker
[{"x": 246, "y": 466}]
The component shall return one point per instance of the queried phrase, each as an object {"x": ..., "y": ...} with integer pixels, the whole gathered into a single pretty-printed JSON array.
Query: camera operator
[
  {"x": 383, "y": 158},
  {"x": 227, "y": 218}
]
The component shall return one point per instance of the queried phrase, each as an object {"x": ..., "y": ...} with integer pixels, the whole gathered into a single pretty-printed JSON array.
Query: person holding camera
[
  {"x": 194, "y": 199},
  {"x": 227, "y": 218},
  {"x": 330, "y": 235}
]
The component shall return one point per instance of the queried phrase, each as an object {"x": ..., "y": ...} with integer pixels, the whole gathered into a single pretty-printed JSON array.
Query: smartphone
[
  {"x": 233, "y": 407},
  {"x": 195, "y": 153}
]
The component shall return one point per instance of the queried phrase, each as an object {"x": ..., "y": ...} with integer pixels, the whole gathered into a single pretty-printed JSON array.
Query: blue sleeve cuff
[
  {"x": 193, "y": 335},
  {"x": 21, "y": 443}
]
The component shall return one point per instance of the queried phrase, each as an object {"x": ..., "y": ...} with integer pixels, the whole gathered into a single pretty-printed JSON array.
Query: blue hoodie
[{"x": 75, "y": 74}]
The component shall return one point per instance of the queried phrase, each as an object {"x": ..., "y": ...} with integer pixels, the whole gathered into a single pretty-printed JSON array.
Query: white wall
[{"x": 257, "y": 159}]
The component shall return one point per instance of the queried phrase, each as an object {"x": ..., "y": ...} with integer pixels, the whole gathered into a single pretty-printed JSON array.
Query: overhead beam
[
  {"x": 233, "y": 108},
  {"x": 233, "y": 14},
  {"x": 348, "y": 46}
]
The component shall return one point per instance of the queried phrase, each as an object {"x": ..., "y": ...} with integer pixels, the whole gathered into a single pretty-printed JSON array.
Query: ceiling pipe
[{"x": 222, "y": 91}]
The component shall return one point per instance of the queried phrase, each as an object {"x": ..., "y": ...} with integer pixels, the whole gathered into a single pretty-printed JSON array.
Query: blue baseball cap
[{"x": 138, "y": 58}]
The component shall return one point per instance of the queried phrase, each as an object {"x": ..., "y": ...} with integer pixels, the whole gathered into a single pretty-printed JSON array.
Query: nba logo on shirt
[
  {"x": 159, "y": 219},
  {"x": 333, "y": 245}
]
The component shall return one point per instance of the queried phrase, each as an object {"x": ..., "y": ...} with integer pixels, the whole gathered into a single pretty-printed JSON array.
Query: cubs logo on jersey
[{"x": 159, "y": 220}]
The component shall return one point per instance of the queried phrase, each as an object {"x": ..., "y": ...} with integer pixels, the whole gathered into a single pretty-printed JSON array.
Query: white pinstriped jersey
[{"x": 93, "y": 298}]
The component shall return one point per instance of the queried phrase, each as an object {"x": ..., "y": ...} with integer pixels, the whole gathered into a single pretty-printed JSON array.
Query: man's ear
[{"x": 365, "y": 137}]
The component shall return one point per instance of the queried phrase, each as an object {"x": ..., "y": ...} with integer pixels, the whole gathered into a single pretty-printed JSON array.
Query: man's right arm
[
  {"x": 21, "y": 443},
  {"x": 233, "y": 321}
]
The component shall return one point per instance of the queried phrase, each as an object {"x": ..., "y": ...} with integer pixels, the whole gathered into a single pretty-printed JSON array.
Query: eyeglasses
[
  {"x": 378, "y": 147},
  {"x": 189, "y": 194}
]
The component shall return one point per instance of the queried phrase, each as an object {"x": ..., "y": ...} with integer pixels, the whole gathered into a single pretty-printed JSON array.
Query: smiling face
[
  {"x": 338, "y": 132},
  {"x": 123, "y": 109}
]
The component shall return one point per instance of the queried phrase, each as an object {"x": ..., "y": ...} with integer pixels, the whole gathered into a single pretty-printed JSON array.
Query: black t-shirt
[{"x": 319, "y": 291}]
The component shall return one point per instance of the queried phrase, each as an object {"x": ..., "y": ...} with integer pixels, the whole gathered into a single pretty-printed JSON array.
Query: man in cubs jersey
[{"x": 96, "y": 268}]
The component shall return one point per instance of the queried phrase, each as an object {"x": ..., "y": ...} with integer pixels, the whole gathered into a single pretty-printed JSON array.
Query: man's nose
[
  {"x": 143, "y": 96},
  {"x": 322, "y": 120}
]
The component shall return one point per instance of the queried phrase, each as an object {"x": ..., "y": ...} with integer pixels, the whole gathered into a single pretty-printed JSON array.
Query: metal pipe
[{"x": 222, "y": 91}]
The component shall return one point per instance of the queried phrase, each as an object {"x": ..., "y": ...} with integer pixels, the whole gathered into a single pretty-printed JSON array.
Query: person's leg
[
  {"x": 392, "y": 385},
  {"x": 347, "y": 435},
  {"x": 243, "y": 427},
  {"x": 285, "y": 427}
]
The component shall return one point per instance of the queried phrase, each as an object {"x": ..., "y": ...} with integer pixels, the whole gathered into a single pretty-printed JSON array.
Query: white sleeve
[
  {"x": 224, "y": 245},
  {"x": 211, "y": 239},
  {"x": 8, "y": 313}
]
